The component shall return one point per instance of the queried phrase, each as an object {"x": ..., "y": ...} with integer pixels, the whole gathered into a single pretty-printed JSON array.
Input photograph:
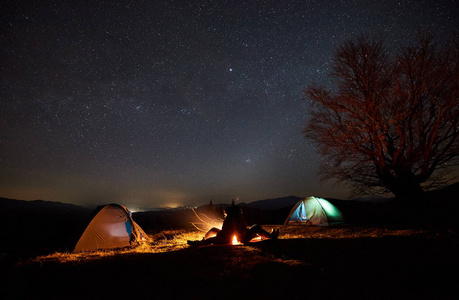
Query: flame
[
  {"x": 235, "y": 241},
  {"x": 257, "y": 238}
]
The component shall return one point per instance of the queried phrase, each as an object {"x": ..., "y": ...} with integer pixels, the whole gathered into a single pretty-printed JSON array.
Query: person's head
[{"x": 233, "y": 211}]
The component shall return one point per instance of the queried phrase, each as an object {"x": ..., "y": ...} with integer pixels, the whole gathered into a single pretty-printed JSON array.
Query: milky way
[{"x": 149, "y": 103}]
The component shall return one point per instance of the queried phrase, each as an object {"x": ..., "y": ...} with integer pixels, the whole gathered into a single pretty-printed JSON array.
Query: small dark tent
[
  {"x": 111, "y": 227},
  {"x": 314, "y": 211}
]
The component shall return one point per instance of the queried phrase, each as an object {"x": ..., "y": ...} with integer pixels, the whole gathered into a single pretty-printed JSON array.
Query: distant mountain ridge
[
  {"x": 6, "y": 204},
  {"x": 40, "y": 206},
  {"x": 276, "y": 203},
  {"x": 266, "y": 204}
]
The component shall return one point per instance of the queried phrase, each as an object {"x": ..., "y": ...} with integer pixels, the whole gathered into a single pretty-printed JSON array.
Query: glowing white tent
[
  {"x": 112, "y": 227},
  {"x": 314, "y": 211}
]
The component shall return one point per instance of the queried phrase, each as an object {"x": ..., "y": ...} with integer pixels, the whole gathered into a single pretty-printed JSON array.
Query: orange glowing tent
[{"x": 111, "y": 227}]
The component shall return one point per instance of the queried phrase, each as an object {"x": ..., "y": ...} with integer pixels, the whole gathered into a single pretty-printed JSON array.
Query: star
[{"x": 164, "y": 100}]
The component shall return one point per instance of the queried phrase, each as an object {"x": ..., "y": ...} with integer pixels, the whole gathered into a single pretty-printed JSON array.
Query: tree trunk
[{"x": 412, "y": 202}]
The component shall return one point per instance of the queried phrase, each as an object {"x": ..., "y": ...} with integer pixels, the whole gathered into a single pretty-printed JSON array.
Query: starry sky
[{"x": 166, "y": 103}]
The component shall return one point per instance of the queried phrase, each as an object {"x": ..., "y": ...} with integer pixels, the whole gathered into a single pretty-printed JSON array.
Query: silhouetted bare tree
[{"x": 391, "y": 121}]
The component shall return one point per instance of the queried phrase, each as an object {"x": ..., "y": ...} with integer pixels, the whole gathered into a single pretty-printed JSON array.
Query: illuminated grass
[
  {"x": 166, "y": 241},
  {"x": 174, "y": 240}
]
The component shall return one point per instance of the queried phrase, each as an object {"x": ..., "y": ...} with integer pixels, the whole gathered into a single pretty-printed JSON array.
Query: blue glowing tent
[{"x": 314, "y": 211}]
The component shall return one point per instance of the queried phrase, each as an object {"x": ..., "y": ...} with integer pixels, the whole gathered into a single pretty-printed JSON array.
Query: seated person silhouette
[{"x": 234, "y": 225}]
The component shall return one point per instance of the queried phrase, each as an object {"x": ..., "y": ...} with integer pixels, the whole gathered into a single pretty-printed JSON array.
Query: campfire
[{"x": 235, "y": 241}]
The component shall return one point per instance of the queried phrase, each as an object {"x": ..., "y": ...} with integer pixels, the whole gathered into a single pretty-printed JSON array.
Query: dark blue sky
[{"x": 149, "y": 103}]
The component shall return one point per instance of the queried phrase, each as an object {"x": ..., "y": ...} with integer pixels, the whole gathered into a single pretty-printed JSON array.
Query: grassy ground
[{"x": 326, "y": 263}]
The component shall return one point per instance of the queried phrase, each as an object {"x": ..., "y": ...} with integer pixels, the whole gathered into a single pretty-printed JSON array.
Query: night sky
[{"x": 150, "y": 103}]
